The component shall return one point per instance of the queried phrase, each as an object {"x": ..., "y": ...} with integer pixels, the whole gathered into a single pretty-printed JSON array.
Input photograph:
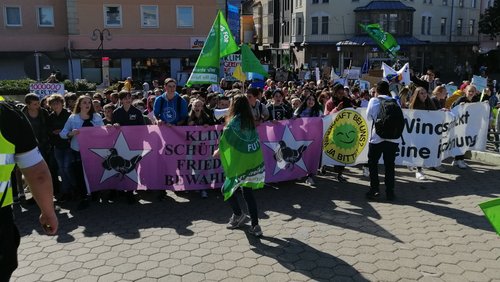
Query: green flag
[
  {"x": 241, "y": 158},
  {"x": 219, "y": 43},
  {"x": 385, "y": 40},
  {"x": 250, "y": 63},
  {"x": 491, "y": 210}
]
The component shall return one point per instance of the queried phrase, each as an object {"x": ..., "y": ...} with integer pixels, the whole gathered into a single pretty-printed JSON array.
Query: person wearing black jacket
[
  {"x": 278, "y": 110},
  {"x": 19, "y": 147},
  {"x": 127, "y": 114},
  {"x": 61, "y": 147}
]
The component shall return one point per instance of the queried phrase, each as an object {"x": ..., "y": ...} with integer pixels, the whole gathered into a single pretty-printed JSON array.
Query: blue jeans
[{"x": 64, "y": 159}]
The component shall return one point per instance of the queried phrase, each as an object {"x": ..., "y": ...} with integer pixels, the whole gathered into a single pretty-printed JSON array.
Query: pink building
[{"x": 146, "y": 40}]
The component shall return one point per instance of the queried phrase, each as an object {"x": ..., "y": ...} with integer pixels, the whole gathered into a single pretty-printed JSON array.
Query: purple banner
[
  {"x": 292, "y": 148},
  {"x": 180, "y": 157},
  {"x": 151, "y": 157}
]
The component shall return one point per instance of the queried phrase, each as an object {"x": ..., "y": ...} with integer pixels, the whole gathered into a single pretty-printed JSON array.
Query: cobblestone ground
[{"x": 435, "y": 231}]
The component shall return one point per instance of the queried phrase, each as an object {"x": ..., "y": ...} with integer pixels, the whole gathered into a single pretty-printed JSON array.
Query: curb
[{"x": 485, "y": 157}]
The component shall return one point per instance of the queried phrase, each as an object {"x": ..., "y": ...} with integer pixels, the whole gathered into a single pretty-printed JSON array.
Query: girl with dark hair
[
  {"x": 310, "y": 108},
  {"x": 83, "y": 116},
  {"x": 420, "y": 100},
  {"x": 243, "y": 162}
]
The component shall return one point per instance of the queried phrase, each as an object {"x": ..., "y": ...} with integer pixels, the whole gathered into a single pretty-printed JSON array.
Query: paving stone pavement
[{"x": 435, "y": 231}]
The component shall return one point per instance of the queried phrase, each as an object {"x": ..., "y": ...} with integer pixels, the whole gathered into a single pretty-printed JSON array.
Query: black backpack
[{"x": 390, "y": 121}]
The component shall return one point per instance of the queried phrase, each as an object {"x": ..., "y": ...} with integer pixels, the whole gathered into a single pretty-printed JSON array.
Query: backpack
[{"x": 390, "y": 121}]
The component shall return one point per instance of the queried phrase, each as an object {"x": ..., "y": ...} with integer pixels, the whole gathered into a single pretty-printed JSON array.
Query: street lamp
[{"x": 101, "y": 35}]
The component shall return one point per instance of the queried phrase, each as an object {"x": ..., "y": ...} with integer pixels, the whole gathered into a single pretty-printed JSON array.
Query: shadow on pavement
[
  {"x": 302, "y": 258},
  {"x": 294, "y": 202}
]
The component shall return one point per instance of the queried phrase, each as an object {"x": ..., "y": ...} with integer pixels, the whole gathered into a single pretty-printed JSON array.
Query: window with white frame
[
  {"x": 149, "y": 16},
  {"x": 185, "y": 17},
  {"x": 12, "y": 16},
  {"x": 472, "y": 22},
  {"x": 45, "y": 16},
  {"x": 443, "y": 26},
  {"x": 112, "y": 15},
  {"x": 314, "y": 25},
  {"x": 324, "y": 25}
]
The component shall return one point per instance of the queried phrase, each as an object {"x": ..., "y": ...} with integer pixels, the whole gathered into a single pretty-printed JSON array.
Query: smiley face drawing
[{"x": 346, "y": 137}]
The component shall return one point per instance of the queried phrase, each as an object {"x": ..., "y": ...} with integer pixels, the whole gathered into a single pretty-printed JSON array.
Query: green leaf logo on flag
[
  {"x": 385, "y": 40},
  {"x": 219, "y": 43},
  {"x": 241, "y": 157}
]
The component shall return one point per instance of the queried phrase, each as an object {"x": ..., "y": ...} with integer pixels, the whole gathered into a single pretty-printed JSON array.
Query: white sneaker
[
  {"x": 420, "y": 175},
  {"x": 411, "y": 168},
  {"x": 461, "y": 164},
  {"x": 366, "y": 171},
  {"x": 235, "y": 221},
  {"x": 310, "y": 181}
]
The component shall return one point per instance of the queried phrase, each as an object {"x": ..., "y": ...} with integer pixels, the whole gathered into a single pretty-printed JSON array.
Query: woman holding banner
[
  {"x": 420, "y": 100},
  {"x": 243, "y": 162},
  {"x": 310, "y": 108},
  {"x": 470, "y": 97},
  {"x": 83, "y": 116}
]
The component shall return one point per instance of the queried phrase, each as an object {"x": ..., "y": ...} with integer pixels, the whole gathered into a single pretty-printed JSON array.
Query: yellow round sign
[{"x": 346, "y": 137}]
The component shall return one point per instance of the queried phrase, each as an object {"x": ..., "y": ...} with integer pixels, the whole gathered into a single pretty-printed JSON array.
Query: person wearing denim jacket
[
  {"x": 75, "y": 122},
  {"x": 83, "y": 116}
]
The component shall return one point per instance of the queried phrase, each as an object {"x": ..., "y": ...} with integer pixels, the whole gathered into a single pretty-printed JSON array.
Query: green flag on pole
[
  {"x": 219, "y": 43},
  {"x": 241, "y": 157},
  {"x": 250, "y": 63},
  {"x": 491, "y": 210},
  {"x": 385, "y": 40}
]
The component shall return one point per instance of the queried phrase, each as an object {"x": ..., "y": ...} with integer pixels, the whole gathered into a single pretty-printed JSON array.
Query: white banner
[
  {"x": 428, "y": 138},
  {"x": 44, "y": 89},
  {"x": 228, "y": 65}
]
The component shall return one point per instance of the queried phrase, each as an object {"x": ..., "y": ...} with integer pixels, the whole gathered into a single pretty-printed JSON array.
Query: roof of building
[
  {"x": 367, "y": 40},
  {"x": 384, "y": 5}
]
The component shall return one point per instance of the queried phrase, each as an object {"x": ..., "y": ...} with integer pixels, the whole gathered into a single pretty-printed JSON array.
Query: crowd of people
[{"x": 56, "y": 119}]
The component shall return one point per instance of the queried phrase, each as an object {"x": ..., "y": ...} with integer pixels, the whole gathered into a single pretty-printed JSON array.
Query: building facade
[
  {"x": 143, "y": 39},
  {"x": 439, "y": 33}
]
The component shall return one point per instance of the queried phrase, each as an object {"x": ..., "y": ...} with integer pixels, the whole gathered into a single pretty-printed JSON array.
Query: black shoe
[
  {"x": 372, "y": 195},
  {"x": 83, "y": 204},
  {"x": 341, "y": 178},
  {"x": 131, "y": 198},
  {"x": 30, "y": 202},
  {"x": 390, "y": 196},
  {"x": 322, "y": 170}
]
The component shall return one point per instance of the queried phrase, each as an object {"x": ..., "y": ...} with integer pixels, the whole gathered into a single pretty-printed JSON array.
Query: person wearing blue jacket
[{"x": 169, "y": 108}]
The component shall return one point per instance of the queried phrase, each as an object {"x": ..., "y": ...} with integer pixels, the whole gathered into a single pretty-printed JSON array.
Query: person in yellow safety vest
[{"x": 18, "y": 145}]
